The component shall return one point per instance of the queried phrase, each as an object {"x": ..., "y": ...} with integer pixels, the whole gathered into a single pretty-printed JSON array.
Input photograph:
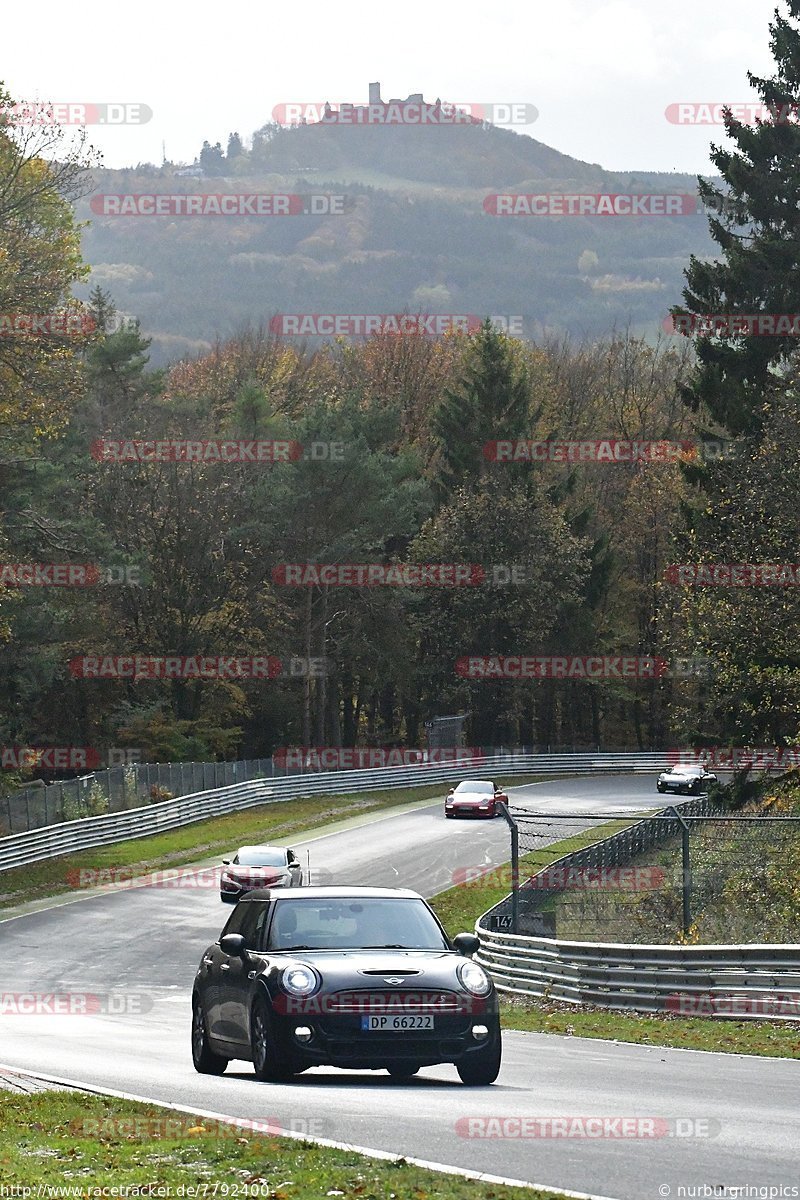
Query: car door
[
  {"x": 243, "y": 972},
  {"x": 216, "y": 966}
]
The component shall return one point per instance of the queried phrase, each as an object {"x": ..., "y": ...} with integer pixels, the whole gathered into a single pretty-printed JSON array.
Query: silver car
[
  {"x": 682, "y": 778},
  {"x": 258, "y": 867}
]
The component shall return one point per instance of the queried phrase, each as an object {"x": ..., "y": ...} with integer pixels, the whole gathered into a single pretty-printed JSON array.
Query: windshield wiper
[
  {"x": 282, "y": 948},
  {"x": 389, "y": 946}
]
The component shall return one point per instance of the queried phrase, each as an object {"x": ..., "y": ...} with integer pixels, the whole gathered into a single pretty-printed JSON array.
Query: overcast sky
[{"x": 600, "y": 72}]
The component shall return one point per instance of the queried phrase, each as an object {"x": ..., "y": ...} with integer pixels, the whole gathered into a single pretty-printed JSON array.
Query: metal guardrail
[
  {"x": 52, "y": 841},
  {"x": 123, "y": 788},
  {"x": 742, "y": 981}
]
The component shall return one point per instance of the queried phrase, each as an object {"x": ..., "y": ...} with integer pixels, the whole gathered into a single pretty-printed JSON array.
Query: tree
[
  {"x": 755, "y": 220},
  {"x": 748, "y": 633},
  {"x": 40, "y": 260},
  {"x": 212, "y": 160},
  {"x": 491, "y": 401},
  {"x": 235, "y": 147}
]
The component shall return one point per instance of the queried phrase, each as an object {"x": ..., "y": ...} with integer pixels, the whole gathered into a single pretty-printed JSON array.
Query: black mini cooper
[{"x": 354, "y": 977}]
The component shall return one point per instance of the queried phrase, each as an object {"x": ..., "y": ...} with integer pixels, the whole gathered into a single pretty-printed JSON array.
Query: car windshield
[
  {"x": 476, "y": 786},
  {"x": 346, "y": 923},
  {"x": 261, "y": 856}
]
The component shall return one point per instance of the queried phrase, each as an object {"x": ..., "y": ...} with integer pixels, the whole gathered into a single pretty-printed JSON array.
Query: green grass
[
  {"x": 205, "y": 839},
  {"x": 71, "y": 1140},
  {"x": 769, "y": 1038}
]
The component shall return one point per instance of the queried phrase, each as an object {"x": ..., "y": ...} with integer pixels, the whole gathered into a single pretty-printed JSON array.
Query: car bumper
[
  {"x": 234, "y": 894},
  {"x": 468, "y": 810},
  {"x": 340, "y": 1042}
]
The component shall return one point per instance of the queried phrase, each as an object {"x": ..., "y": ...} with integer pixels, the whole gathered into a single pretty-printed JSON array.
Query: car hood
[
  {"x": 470, "y": 798},
  {"x": 370, "y": 968}
]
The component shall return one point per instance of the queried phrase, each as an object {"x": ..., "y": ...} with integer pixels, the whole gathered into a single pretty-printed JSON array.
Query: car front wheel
[
  {"x": 204, "y": 1059},
  {"x": 269, "y": 1060},
  {"x": 481, "y": 1068}
]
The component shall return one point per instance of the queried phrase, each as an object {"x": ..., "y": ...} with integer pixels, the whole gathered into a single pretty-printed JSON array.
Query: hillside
[{"x": 413, "y": 236}]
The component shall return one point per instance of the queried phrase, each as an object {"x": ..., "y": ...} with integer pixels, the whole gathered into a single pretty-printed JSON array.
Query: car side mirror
[
  {"x": 226, "y": 862},
  {"x": 233, "y": 944},
  {"x": 467, "y": 944}
]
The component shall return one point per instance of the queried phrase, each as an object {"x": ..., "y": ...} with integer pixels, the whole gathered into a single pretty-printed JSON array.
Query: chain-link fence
[
  {"x": 695, "y": 873},
  {"x": 121, "y": 788}
]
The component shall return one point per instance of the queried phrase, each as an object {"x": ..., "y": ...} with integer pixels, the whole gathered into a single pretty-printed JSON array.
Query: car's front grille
[{"x": 395, "y": 1001}]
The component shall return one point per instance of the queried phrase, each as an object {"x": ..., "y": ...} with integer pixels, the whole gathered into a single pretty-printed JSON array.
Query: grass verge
[
  {"x": 205, "y": 839},
  {"x": 67, "y": 1139},
  {"x": 772, "y": 1039}
]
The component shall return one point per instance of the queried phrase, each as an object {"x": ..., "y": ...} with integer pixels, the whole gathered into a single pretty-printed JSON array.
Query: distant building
[{"x": 195, "y": 172}]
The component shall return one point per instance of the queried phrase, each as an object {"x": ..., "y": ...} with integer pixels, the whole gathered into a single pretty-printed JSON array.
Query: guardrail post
[{"x": 512, "y": 824}]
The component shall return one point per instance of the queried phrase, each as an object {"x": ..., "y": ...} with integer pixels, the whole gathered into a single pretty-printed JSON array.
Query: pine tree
[
  {"x": 755, "y": 220},
  {"x": 491, "y": 402}
]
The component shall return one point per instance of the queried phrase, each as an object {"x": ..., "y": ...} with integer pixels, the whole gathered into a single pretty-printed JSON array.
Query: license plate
[{"x": 396, "y": 1023}]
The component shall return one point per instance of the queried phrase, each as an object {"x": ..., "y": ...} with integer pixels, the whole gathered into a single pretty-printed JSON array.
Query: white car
[
  {"x": 258, "y": 867},
  {"x": 682, "y": 778}
]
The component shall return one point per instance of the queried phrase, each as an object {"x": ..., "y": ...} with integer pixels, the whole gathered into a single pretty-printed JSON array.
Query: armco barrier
[
  {"x": 69, "y": 836},
  {"x": 744, "y": 981}
]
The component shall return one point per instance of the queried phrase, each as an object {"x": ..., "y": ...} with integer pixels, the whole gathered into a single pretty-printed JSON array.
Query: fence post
[
  {"x": 687, "y": 871},
  {"x": 512, "y": 824}
]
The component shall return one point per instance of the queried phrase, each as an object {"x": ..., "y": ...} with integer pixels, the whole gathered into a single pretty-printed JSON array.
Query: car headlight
[
  {"x": 474, "y": 979},
  {"x": 299, "y": 981}
]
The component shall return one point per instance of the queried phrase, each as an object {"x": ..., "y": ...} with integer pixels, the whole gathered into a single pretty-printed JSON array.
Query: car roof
[
  {"x": 331, "y": 892},
  {"x": 484, "y": 782},
  {"x": 245, "y": 849}
]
